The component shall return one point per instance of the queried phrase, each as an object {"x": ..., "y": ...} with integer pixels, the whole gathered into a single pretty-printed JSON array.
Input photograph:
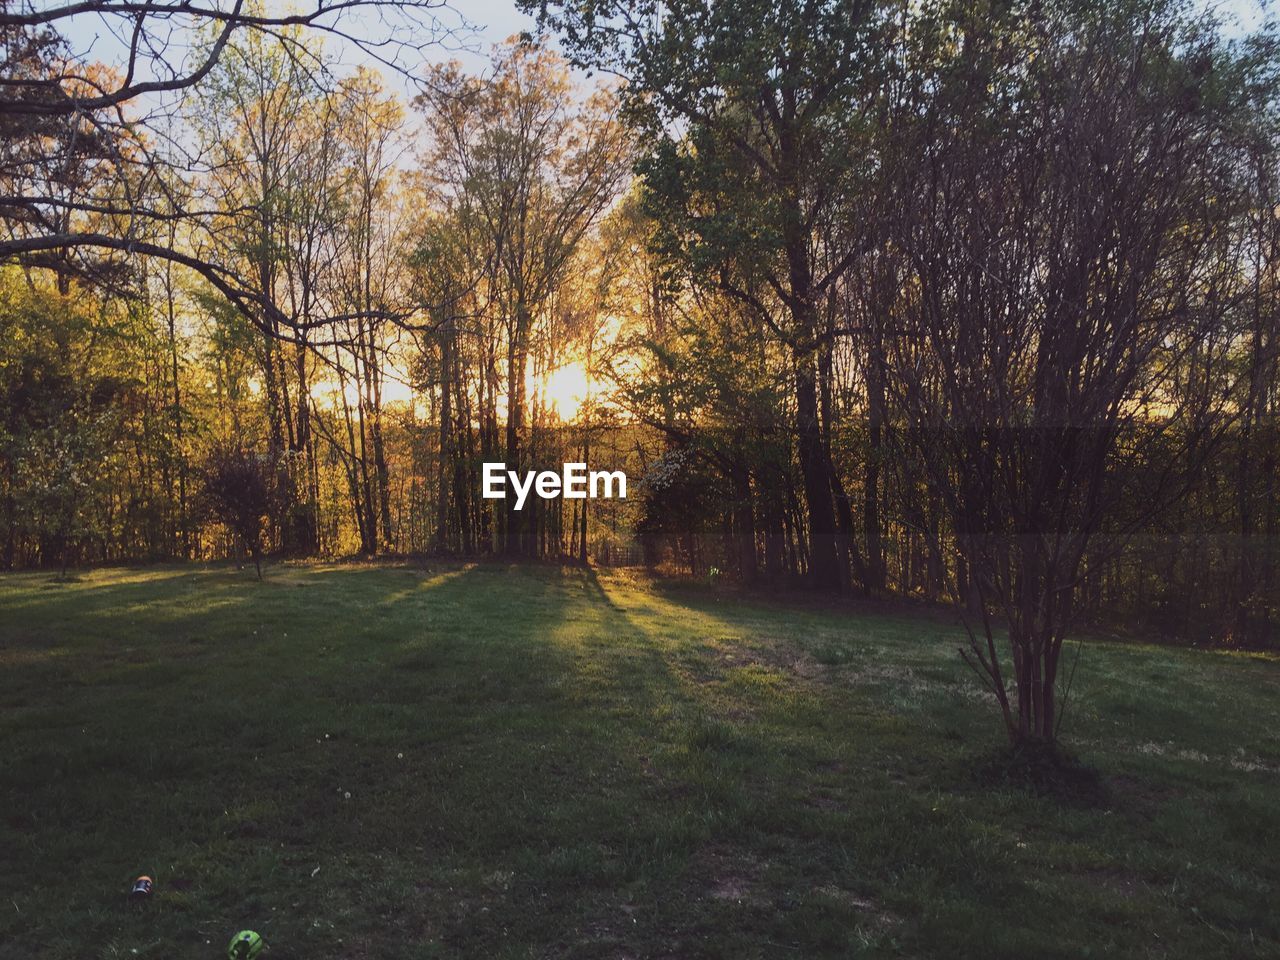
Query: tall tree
[
  {"x": 531, "y": 169},
  {"x": 753, "y": 112},
  {"x": 256, "y": 114},
  {"x": 1071, "y": 202},
  {"x": 373, "y": 250}
]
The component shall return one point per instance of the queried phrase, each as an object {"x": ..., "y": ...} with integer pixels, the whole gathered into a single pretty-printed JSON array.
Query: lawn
[{"x": 506, "y": 762}]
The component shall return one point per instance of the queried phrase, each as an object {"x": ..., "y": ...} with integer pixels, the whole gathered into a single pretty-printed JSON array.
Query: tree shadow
[{"x": 446, "y": 746}]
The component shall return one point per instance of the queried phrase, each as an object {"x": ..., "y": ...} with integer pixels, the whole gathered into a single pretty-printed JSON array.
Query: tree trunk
[
  {"x": 517, "y": 358},
  {"x": 744, "y": 523},
  {"x": 446, "y": 423},
  {"x": 871, "y": 475},
  {"x": 582, "y": 543},
  {"x": 824, "y": 565}
]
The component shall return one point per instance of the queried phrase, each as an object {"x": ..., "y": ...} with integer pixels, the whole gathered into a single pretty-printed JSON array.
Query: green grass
[{"x": 560, "y": 763}]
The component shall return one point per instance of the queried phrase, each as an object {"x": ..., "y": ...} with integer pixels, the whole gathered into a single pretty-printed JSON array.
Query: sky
[
  {"x": 97, "y": 38},
  {"x": 493, "y": 21}
]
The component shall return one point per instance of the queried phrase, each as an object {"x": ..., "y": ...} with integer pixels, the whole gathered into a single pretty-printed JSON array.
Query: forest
[{"x": 966, "y": 302}]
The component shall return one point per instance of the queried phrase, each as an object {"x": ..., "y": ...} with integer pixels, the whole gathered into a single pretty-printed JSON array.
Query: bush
[{"x": 237, "y": 491}]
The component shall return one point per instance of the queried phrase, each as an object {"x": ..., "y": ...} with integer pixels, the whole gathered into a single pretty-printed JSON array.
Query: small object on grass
[
  {"x": 245, "y": 945},
  {"x": 141, "y": 888}
]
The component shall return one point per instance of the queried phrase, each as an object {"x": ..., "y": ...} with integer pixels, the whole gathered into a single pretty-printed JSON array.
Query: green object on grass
[{"x": 245, "y": 945}]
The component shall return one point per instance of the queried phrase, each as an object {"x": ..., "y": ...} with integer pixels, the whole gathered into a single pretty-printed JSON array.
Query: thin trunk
[{"x": 445, "y": 435}]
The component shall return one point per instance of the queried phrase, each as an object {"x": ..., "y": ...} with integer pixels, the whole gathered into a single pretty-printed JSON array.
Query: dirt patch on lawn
[
  {"x": 781, "y": 656},
  {"x": 726, "y": 874},
  {"x": 877, "y": 918}
]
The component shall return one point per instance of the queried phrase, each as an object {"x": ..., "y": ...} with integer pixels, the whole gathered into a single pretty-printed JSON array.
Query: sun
[{"x": 564, "y": 389}]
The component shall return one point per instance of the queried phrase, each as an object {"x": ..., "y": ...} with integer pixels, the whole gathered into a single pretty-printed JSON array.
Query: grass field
[{"x": 492, "y": 762}]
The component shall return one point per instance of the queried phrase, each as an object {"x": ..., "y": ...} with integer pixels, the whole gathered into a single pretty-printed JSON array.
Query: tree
[
  {"x": 373, "y": 248},
  {"x": 55, "y": 107},
  {"x": 753, "y": 115},
  {"x": 260, "y": 118},
  {"x": 63, "y": 401},
  {"x": 529, "y": 171},
  {"x": 1071, "y": 215}
]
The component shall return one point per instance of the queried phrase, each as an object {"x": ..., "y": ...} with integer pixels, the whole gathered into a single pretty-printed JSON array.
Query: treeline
[
  {"x": 988, "y": 313},
  {"x": 408, "y": 279},
  {"x": 966, "y": 300}
]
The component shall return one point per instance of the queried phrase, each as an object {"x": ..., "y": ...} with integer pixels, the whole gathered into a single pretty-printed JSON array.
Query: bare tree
[
  {"x": 533, "y": 172},
  {"x": 1071, "y": 216},
  {"x": 84, "y": 148}
]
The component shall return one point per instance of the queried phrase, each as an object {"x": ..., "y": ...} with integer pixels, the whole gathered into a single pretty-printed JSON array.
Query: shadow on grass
[
  {"x": 483, "y": 761},
  {"x": 1047, "y": 771}
]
